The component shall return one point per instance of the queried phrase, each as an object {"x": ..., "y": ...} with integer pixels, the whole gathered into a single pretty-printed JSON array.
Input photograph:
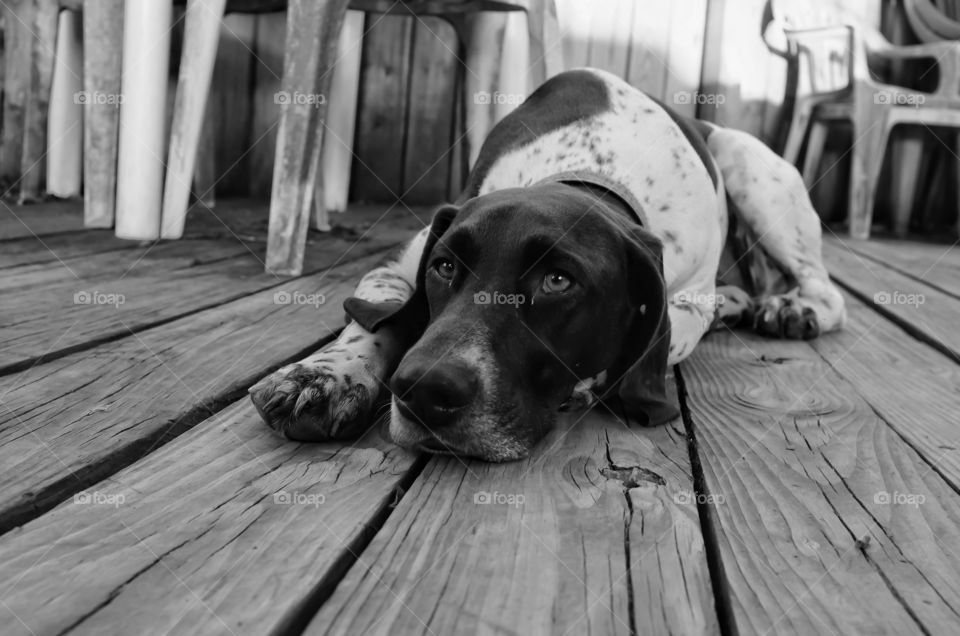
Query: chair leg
[
  {"x": 200, "y": 40},
  {"x": 337, "y": 157},
  {"x": 32, "y": 163},
  {"x": 869, "y": 141},
  {"x": 906, "y": 154},
  {"x": 815, "y": 145},
  {"x": 956, "y": 182},
  {"x": 205, "y": 170},
  {"x": 313, "y": 29},
  {"x": 103, "y": 50},
  {"x": 146, "y": 59},
  {"x": 799, "y": 121},
  {"x": 16, "y": 86},
  {"x": 546, "y": 50},
  {"x": 65, "y": 131}
]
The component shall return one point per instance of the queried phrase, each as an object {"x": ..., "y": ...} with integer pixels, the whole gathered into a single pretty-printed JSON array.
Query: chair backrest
[{"x": 802, "y": 29}]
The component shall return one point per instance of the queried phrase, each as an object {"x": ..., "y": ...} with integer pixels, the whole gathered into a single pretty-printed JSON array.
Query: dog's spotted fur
[{"x": 677, "y": 175}]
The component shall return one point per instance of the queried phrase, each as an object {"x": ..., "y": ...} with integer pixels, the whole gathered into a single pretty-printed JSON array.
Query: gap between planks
[{"x": 75, "y": 420}]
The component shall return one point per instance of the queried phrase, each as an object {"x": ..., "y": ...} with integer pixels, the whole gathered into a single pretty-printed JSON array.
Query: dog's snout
[{"x": 434, "y": 392}]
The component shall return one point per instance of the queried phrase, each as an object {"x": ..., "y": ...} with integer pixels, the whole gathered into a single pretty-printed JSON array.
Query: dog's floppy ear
[
  {"x": 642, "y": 388},
  {"x": 411, "y": 317}
]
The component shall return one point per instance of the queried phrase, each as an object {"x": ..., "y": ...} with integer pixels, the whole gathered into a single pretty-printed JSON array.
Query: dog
[{"x": 598, "y": 238}]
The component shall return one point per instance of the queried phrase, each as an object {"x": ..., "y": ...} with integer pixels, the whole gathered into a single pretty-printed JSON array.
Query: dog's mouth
[{"x": 403, "y": 427}]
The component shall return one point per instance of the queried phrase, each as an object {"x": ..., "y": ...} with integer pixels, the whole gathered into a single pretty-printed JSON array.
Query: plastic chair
[
  {"x": 874, "y": 109},
  {"x": 832, "y": 82},
  {"x": 313, "y": 35},
  {"x": 30, "y": 30}
]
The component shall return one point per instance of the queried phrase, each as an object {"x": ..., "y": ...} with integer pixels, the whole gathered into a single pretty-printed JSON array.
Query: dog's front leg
[{"x": 332, "y": 393}]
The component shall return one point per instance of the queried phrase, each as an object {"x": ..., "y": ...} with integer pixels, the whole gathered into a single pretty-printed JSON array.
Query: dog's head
[{"x": 520, "y": 294}]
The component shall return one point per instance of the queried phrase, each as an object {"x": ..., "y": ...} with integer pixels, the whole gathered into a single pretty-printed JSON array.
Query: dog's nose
[{"x": 434, "y": 393}]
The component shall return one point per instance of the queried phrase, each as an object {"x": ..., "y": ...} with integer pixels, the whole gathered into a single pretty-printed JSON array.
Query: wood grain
[
  {"x": 40, "y": 219},
  {"x": 935, "y": 265},
  {"x": 105, "y": 407},
  {"x": 922, "y": 405},
  {"x": 602, "y": 514},
  {"x": 233, "y": 72},
  {"x": 433, "y": 73},
  {"x": 32, "y": 250},
  {"x": 800, "y": 465},
  {"x": 157, "y": 283},
  {"x": 382, "y": 108},
  {"x": 200, "y": 542},
  {"x": 270, "y": 37},
  {"x": 927, "y": 313}
]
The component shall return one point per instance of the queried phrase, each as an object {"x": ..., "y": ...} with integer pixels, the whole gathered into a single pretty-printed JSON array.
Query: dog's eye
[
  {"x": 556, "y": 282},
  {"x": 444, "y": 267}
]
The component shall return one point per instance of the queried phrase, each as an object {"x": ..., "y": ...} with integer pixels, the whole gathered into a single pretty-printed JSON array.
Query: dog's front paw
[
  {"x": 785, "y": 317},
  {"x": 330, "y": 396}
]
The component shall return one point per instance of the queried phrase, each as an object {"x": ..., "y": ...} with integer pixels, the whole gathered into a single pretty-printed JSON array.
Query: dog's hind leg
[
  {"x": 769, "y": 197},
  {"x": 331, "y": 394}
]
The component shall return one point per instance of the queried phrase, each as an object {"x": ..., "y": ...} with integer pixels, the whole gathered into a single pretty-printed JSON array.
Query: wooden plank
[
  {"x": 429, "y": 124},
  {"x": 610, "y": 36},
  {"x": 925, "y": 312},
  {"x": 39, "y": 219},
  {"x": 32, "y": 250},
  {"x": 204, "y": 533},
  {"x": 271, "y": 35},
  {"x": 735, "y": 66},
  {"x": 826, "y": 520},
  {"x": 574, "y": 18},
  {"x": 599, "y": 511},
  {"x": 232, "y": 75},
  {"x": 647, "y": 68},
  {"x": 684, "y": 53},
  {"x": 935, "y": 265},
  {"x": 871, "y": 354},
  {"x": 382, "y": 108},
  {"x": 73, "y": 421},
  {"x": 131, "y": 290}
]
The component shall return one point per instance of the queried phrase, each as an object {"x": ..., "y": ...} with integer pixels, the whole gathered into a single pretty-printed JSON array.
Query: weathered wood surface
[
  {"x": 232, "y": 103},
  {"x": 197, "y": 537},
  {"x": 382, "y": 109},
  {"x": 107, "y": 406},
  {"x": 427, "y": 151},
  {"x": 922, "y": 405},
  {"x": 936, "y": 265},
  {"x": 49, "y": 217},
  {"x": 32, "y": 250},
  {"x": 597, "y": 533},
  {"x": 926, "y": 312},
  {"x": 801, "y": 467},
  {"x": 102, "y": 64},
  {"x": 156, "y": 284},
  {"x": 270, "y": 36}
]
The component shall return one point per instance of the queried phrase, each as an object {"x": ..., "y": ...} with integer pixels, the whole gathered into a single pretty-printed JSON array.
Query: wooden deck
[{"x": 808, "y": 488}]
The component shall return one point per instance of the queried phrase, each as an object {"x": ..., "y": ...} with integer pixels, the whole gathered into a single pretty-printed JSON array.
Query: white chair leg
[
  {"x": 146, "y": 58},
  {"x": 65, "y": 124},
  {"x": 201, "y": 36},
  {"x": 337, "y": 155}
]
